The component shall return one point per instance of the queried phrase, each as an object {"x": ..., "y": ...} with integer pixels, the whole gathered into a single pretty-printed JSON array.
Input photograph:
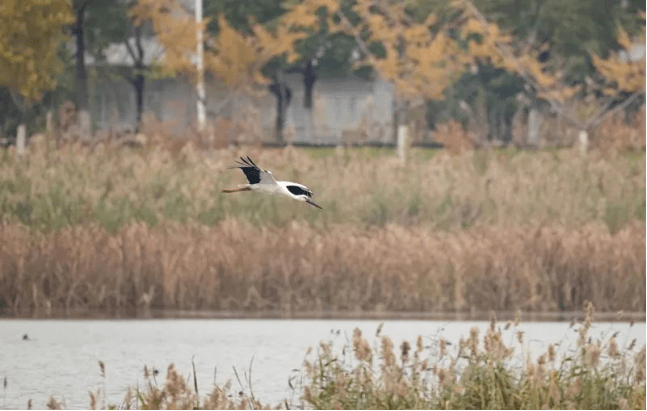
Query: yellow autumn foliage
[
  {"x": 280, "y": 42},
  {"x": 30, "y": 34},
  {"x": 419, "y": 61},
  {"x": 174, "y": 28},
  {"x": 231, "y": 56},
  {"x": 299, "y": 20},
  {"x": 498, "y": 49},
  {"x": 619, "y": 69},
  {"x": 235, "y": 60},
  {"x": 487, "y": 42}
]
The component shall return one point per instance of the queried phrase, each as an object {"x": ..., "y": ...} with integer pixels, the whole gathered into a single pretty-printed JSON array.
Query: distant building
[{"x": 344, "y": 110}]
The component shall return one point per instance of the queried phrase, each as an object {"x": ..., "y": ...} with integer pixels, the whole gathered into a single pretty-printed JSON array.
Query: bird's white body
[
  {"x": 276, "y": 188},
  {"x": 263, "y": 181}
]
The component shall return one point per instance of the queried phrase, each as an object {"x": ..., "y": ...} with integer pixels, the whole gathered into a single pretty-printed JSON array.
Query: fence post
[
  {"x": 21, "y": 136},
  {"x": 403, "y": 143},
  {"x": 583, "y": 141}
]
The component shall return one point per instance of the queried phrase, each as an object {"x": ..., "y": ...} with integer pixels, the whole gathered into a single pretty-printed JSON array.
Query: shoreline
[{"x": 547, "y": 316}]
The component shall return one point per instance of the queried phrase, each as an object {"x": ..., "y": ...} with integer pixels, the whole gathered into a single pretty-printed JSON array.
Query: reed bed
[
  {"x": 236, "y": 266},
  {"x": 492, "y": 371},
  {"x": 482, "y": 373},
  {"x": 50, "y": 189}
]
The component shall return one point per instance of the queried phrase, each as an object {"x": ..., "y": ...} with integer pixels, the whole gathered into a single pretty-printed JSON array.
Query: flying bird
[{"x": 264, "y": 182}]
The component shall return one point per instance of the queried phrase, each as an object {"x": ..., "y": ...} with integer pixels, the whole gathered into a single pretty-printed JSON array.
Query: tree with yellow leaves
[
  {"x": 624, "y": 71},
  {"x": 420, "y": 58},
  {"x": 623, "y": 78},
  {"x": 30, "y": 35},
  {"x": 230, "y": 56}
]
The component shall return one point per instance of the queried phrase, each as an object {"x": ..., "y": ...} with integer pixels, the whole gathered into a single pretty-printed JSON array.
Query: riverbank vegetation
[
  {"x": 136, "y": 229},
  {"x": 112, "y": 186},
  {"x": 235, "y": 266},
  {"x": 490, "y": 371}
]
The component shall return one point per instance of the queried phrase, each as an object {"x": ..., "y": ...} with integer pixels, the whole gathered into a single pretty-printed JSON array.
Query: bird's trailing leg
[{"x": 236, "y": 190}]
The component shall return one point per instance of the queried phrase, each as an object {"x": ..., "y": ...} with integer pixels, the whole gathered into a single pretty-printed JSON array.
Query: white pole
[
  {"x": 202, "y": 112},
  {"x": 584, "y": 141},
  {"x": 403, "y": 144},
  {"x": 21, "y": 138}
]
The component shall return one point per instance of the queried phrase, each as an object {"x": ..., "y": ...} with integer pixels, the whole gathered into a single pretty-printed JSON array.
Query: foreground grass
[
  {"x": 475, "y": 373},
  {"x": 111, "y": 187},
  {"x": 235, "y": 266}
]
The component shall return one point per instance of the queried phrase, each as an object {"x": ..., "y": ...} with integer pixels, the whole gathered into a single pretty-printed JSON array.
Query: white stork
[{"x": 263, "y": 181}]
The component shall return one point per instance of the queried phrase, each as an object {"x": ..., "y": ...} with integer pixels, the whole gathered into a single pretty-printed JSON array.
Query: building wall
[{"x": 344, "y": 110}]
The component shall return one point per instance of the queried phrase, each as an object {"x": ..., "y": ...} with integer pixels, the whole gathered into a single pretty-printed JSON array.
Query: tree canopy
[
  {"x": 31, "y": 33},
  {"x": 474, "y": 52}
]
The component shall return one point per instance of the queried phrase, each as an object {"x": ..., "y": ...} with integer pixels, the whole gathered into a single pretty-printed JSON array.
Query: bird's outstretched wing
[{"x": 254, "y": 174}]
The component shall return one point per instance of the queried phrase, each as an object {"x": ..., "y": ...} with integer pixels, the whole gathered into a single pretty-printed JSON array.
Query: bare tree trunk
[
  {"x": 138, "y": 84},
  {"x": 80, "y": 76},
  {"x": 139, "y": 70},
  {"x": 283, "y": 97},
  {"x": 309, "y": 78},
  {"x": 482, "y": 125}
]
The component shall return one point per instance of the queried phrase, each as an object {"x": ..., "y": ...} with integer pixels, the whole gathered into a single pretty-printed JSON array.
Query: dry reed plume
[
  {"x": 344, "y": 268},
  {"x": 481, "y": 373}
]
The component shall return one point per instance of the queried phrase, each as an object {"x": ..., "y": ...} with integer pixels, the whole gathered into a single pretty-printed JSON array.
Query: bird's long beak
[{"x": 309, "y": 201}]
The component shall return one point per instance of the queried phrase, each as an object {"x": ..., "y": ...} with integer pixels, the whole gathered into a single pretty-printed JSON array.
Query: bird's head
[{"x": 308, "y": 199}]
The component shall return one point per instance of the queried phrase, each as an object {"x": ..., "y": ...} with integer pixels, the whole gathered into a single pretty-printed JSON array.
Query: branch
[
  {"x": 80, "y": 14},
  {"x": 599, "y": 112},
  {"x": 532, "y": 37},
  {"x": 138, "y": 42},
  {"x": 508, "y": 54},
  {"x": 361, "y": 43},
  {"x": 130, "y": 49},
  {"x": 621, "y": 106}
]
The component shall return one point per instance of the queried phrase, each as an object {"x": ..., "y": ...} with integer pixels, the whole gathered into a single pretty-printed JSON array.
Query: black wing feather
[
  {"x": 252, "y": 172},
  {"x": 250, "y": 160}
]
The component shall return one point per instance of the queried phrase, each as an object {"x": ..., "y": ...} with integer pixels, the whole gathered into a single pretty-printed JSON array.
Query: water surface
[{"x": 61, "y": 356}]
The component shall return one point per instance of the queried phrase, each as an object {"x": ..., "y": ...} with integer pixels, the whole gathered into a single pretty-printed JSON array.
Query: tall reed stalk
[{"x": 344, "y": 268}]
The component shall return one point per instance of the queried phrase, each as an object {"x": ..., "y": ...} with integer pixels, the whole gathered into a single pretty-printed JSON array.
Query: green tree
[
  {"x": 242, "y": 14},
  {"x": 31, "y": 33},
  {"x": 317, "y": 51},
  {"x": 555, "y": 79},
  {"x": 547, "y": 56},
  {"x": 98, "y": 23}
]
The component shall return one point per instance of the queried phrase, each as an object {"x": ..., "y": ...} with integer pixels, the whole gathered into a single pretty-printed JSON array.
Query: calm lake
[{"x": 61, "y": 357}]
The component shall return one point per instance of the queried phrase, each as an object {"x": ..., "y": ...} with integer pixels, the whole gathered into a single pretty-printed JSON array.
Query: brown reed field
[
  {"x": 115, "y": 228},
  {"x": 238, "y": 267},
  {"x": 488, "y": 372}
]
